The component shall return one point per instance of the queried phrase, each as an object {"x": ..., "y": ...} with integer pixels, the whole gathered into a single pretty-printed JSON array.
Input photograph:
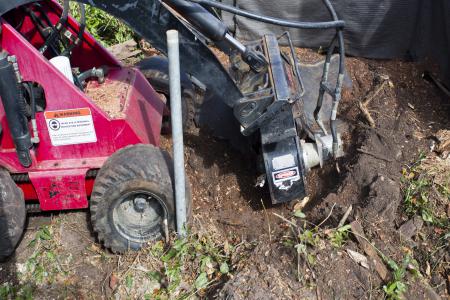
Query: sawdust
[{"x": 109, "y": 96}]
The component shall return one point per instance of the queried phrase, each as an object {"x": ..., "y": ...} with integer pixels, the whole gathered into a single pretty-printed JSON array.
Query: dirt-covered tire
[
  {"x": 133, "y": 193},
  {"x": 156, "y": 70},
  {"x": 12, "y": 215}
]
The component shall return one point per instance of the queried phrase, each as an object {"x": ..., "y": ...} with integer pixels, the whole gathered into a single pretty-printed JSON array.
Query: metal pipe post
[{"x": 177, "y": 131}]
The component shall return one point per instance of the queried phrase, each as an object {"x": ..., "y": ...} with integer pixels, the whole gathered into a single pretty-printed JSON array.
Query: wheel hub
[{"x": 138, "y": 216}]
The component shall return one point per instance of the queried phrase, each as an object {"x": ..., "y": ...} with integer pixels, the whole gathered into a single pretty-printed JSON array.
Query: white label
[
  {"x": 284, "y": 179},
  {"x": 283, "y": 162},
  {"x": 70, "y": 127}
]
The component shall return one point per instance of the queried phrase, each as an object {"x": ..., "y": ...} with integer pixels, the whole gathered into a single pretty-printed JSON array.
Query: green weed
[
  {"x": 395, "y": 289},
  {"x": 196, "y": 260},
  {"x": 104, "y": 27},
  {"x": 339, "y": 236},
  {"x": 421, "y": 191}
]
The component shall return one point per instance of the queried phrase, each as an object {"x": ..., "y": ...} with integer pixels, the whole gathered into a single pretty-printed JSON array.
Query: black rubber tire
[
  {"x": 12, "y": 215},
  {"x": 134, "y": 168},
  {"x": 156, "y": 71}
]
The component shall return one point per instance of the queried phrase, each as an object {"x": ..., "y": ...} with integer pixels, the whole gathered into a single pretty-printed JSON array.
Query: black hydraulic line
[
  {"x": 81, "y": 30},
  {"x": 12, "y": 99},
  {"x": 201, "y": 18},
  {"x": 58, "y": 27},
  {"x": 272, "y": 20},
  {"x": 324, "y": 79},
  {"x": 39, "y": 25},
  {"x": 97, "y": 73},
  {"x": 32, "y": 100},
  {"x": 43, "y": 14}
]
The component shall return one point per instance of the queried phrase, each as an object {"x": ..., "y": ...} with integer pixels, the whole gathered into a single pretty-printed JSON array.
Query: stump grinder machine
[{"x": 79, "y": 130}]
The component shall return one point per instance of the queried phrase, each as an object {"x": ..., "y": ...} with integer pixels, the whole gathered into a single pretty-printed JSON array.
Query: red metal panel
[{"x": 58, "y": 190}]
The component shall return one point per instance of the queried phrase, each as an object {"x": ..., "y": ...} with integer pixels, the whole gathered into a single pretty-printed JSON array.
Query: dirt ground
[{"x": 308, "y": 256}]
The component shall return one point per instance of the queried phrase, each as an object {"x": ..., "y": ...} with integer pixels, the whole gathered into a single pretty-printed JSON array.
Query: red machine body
[{"x": 122, "y": 111}]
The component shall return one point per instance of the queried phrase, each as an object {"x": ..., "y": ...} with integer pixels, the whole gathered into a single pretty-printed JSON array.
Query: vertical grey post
[{"x": 177, "y": 130}]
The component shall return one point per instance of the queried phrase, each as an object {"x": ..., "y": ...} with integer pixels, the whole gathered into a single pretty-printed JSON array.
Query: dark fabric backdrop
[{"x": 374, "y": 28}]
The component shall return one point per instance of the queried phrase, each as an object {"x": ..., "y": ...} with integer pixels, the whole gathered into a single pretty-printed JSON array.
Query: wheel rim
[{"x": 138, "y": 216}]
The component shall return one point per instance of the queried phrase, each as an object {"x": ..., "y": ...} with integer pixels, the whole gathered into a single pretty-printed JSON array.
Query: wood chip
[
  {"x": 345, "y": 217},
  {"x": 113, "y": 280},
  {"x": 358, "y": 232},
  {"x": 358, "y": 258},
  {"x": 300, "y": 205}
]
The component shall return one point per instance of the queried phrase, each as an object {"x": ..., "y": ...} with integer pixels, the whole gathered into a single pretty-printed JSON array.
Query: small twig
[
  {"x": 376, "y": 92},
  {"x": 329, "y": 215},
  {"x": 284, "y": 219},
  {"x": 374, "y": 155},
  {"x": 267, "y": 219},
  {"x": 363, "y": 105},
  {"x": 345, "y": 217},
  {"x": 230, "y": 223},
  {"x": 318, "y": 293}
]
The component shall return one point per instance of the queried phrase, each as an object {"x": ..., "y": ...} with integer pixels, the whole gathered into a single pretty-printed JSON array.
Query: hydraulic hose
[
  {"x": 81, "y": 30},
  {"x": 59, "y": 26},
  {"x": 12, "y": 99},
  {"x": 272, "y": 20},
  {"x": 201, "y": 18},
  {"x": 41, "y": 26},
  {"x": 30, "y": 89},
  {"x": 97, "y": 73}
]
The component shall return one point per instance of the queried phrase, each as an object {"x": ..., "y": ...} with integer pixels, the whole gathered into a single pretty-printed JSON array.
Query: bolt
[{"x": 140, "y": 204}]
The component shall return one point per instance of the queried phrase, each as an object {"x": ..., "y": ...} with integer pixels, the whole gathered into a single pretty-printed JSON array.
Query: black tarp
[
  {"x": 375, "y": 28},
  {"x": 412, "y": 29}
]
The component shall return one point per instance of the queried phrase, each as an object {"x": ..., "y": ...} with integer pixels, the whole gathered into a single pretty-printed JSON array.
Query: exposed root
[{"x": 363, "y": 105}]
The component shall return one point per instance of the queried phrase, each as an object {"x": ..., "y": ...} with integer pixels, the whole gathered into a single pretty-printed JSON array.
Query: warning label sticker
[{"x": 70, "y": 127}]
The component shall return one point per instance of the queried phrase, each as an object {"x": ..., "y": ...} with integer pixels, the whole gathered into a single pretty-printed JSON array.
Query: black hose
[
  {"x": 66, "y": 9},
  {"x": 40, "y": 26},
  {"x": 81, "y": 30},
  {"x": 43, "y": 14},
  {"x": 59, "y": 26},
  {"x": 32, "y": 101},
  {"x": 97, "y": 73},
  {"x": 272, "y": 20},
  {"x": 13, "y": 103}
]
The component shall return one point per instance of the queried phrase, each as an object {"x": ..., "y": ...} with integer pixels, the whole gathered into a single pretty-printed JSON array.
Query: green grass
[
  {"x": 104, "y": 27},
  {"x": 423, "y": 194},
  {"x": 197, "y": 260}
]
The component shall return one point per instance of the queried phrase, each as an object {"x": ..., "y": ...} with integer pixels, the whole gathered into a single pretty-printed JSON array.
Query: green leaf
[
  {"x": 311, "y": 259},
  {"x": 224, "y": 269},
  {"x": 401, "y": 287},
  {"x": 45, "y": 235},
  {"x": 179, "y": 245},
  {"x": 202, "y": 281},
  {"x": 206, "y": 263},
  {"x": 154, "y": 275},
  {"x": 427, "y": 217},
  {"x": 171, "y": 254},
  {"x": 51, "y": 256},
  {"x": 344, "y": 228},
  {"x": 301, "y": 248},
  {"x": 129, "y": 281},
  {"x": 299, "y": 214}
]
